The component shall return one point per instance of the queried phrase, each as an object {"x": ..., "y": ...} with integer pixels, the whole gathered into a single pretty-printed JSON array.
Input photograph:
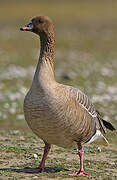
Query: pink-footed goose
[{"x": 59, "y": 114}]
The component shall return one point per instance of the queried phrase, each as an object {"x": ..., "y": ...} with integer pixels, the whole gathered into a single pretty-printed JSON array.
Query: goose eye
[{"x": 40, "y": 21}]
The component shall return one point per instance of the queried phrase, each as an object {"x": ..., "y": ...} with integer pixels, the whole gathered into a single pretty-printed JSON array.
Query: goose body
[{"x": 58, "y": 114}]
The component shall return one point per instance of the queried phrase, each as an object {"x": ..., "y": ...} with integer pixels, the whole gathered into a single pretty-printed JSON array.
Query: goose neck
[
  {"x": 47, "y": 49},
  {"x": 45, "y": 68}
]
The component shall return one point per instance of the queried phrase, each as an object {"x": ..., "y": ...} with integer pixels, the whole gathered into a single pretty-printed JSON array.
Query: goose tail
[
  {"x": 108, "y": 125},
  {"x": 104, "y": 124}
]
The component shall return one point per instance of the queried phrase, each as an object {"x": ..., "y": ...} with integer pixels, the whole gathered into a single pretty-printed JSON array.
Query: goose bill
[{"x": 28, "y": 27}]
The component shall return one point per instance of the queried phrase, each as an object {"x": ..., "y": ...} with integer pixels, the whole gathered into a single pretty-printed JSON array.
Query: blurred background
[{"x": 85, "y": 57}]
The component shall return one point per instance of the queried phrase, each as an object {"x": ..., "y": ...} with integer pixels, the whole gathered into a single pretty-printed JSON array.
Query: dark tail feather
[{"x": 108, "y": 125}]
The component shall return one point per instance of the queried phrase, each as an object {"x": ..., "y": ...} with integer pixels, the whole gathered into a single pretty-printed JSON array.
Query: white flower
[
  {"x": 20, "y": 116},
  {"x": 12, "y": 110},
  {"x": 35, "y": 156},
  {"x": 99, "y": 149},
  {"x": 6, "y": 105}
]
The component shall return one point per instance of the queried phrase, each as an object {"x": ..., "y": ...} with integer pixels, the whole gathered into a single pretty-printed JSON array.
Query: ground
[{"x": 20, "y": 149}]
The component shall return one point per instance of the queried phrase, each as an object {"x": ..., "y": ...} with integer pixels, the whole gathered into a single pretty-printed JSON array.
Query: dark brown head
[{"x": 41, "y": 25}]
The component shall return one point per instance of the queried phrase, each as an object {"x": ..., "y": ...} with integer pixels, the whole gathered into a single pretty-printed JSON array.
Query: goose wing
[{"x": 86, "y": 103}]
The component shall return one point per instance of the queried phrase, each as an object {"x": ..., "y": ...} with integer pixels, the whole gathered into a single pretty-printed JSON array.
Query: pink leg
[
  {"x": 41, "y": 167},
  {"x": 46, "y": 151},
  {"x": 81, "y": 172}
]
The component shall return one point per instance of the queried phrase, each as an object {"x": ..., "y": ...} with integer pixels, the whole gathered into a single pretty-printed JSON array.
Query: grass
[
  {"x": 86, "y": 57},
  {"x": 17, "y": 152}
]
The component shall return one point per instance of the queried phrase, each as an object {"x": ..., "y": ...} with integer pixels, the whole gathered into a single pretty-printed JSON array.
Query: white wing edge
[{"x": 98, "y": 138}]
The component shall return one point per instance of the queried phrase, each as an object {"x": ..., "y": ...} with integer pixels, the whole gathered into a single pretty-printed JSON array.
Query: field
[{"x": 85, "y": 57}]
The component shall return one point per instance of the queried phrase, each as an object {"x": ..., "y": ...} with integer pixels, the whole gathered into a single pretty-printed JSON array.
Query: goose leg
[
  {"x": 46, "y": 151},
  {"x": 81, "y": 172},
  {"x": 41, "y": 167}
]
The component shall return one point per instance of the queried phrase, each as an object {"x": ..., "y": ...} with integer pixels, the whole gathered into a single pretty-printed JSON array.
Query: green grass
[
  {"x": 19, "y": 154},
  {"x": 86, "y": 57}
]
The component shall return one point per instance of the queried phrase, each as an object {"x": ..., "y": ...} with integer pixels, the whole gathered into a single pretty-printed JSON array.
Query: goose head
[{"x": 41, "y": 25}]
